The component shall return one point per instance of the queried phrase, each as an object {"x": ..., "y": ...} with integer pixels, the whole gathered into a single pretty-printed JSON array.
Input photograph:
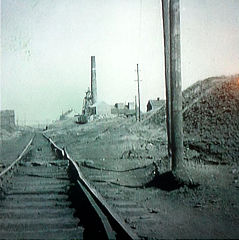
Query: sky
[{"x": 46, "y": 48}]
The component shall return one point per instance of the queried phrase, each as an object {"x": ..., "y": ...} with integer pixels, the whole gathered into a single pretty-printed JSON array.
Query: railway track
[{"x": 42, "y": 202}]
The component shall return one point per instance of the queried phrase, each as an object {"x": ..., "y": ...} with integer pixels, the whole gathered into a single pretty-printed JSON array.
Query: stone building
[{"x": 7, "y": 119}]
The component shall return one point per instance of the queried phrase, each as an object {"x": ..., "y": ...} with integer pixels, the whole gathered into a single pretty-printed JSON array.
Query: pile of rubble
[
  {"x": 211, "y": 123},
  {"x": 210, "y": 118}
]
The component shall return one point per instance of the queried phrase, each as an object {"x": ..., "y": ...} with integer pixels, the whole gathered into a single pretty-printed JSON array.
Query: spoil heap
[{"x": 211, "y": 118}]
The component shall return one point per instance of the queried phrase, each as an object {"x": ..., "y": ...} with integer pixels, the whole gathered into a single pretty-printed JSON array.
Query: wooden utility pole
[
  {"x": 166, "y": 29},
  {"x": 138, "y": 90},
  {"x": 135, "y": 106},
  {"x": 176, "y": 88}
]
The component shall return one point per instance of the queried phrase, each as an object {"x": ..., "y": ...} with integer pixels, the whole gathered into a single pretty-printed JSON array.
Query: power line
[{"x": 138, "y": 90}]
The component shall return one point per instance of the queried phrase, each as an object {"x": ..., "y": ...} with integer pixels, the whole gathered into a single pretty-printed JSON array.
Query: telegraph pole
[
  {"x": 135, "y": 105},
  {"x": 166, "y": 30},
  {"x": 175, "y": 84},
  {"x": 138, "y": 90}
]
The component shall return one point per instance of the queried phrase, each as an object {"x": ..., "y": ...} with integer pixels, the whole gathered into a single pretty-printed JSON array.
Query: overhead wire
[{"x": 139, "y": 30}]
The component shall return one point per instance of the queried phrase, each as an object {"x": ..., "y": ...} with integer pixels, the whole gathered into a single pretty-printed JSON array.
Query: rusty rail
[{"x": 111, "y": 221}]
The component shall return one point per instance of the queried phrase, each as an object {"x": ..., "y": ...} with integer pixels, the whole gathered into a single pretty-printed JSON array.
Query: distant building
[
  {"x": 131, "y": 105},
  {"x": 155, "y": 104},
  {"x": 120, "y": 105},
  {"x": 7, "y": 119},
  {"x": 122, "y": 109},
  {"x": 100, "y": 108}
]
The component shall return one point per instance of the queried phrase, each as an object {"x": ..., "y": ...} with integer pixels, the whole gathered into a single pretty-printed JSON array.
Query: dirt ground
[
  {"x": 12, "y": 144},
  {"x": 123, "y": 158},
  {"x": 117, "y": 156},
  {"x": 126, "y": 161}
]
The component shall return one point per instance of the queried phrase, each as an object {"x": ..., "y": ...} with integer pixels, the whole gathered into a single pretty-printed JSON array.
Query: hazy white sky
[{"x": 46, "y": 47}]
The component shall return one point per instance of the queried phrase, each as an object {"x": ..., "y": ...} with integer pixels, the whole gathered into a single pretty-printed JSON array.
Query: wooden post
[
  {"x": 176, "y": 89},
  {"x": 135, "y": 106},
  {"x": 138, "y": 90},
  {"x": 166, "y": 30}
]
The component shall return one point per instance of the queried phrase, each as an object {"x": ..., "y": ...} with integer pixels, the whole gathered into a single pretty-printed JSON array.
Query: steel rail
[
  {"x": 108, "y": 229},
  {"x": 59, "y": 151},
  {"x": 18, "y": 159},
  {"x": 103, "y": 210}
]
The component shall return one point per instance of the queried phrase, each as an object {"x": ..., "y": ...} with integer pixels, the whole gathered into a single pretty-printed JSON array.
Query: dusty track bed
[{"x": 119, "y": 144}]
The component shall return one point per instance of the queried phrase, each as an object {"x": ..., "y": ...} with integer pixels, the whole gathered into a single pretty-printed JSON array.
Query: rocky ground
[{"x": 121, "y": 159}]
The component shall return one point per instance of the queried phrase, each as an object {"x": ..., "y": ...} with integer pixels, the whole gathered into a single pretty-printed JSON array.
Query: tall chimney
[{"x": 93, "y": 80}]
